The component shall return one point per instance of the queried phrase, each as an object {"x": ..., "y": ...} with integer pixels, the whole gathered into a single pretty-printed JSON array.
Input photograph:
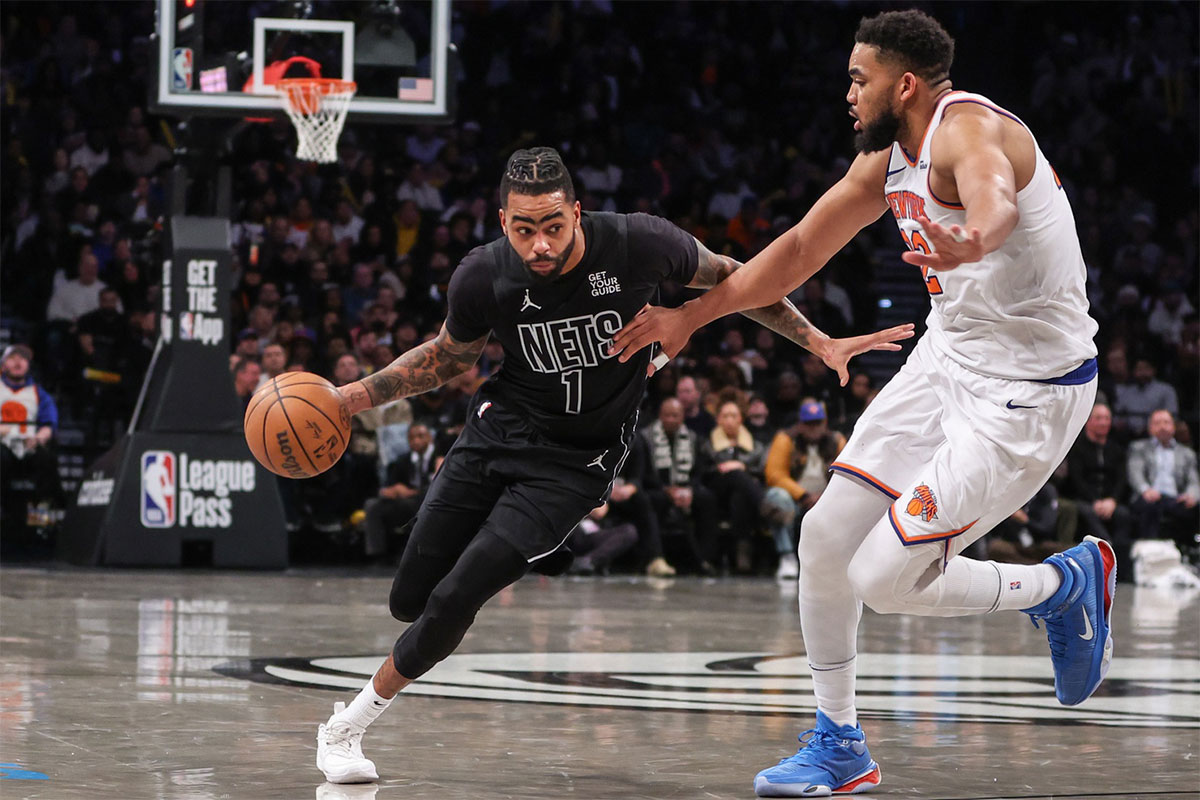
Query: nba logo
[
  {"x": 181, "y": 69},
  {"x": 158, "y": 489},
  {"x": 185, "y": 326}
]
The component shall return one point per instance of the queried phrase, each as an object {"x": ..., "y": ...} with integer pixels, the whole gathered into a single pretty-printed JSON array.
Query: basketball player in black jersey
[{"x": 546, "y": 435}]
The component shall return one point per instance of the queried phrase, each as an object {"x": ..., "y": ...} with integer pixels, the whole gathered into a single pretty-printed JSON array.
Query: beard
[
  {"x": 878, "y": 135},
  {"x": 559, "y": 262}
]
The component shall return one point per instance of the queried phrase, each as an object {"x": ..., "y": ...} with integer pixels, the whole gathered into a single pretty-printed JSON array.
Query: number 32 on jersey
[{"x": 916, "y": 241}]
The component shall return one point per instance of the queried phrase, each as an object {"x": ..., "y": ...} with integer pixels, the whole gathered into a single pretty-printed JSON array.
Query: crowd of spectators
[{"x": 727, "y": 119}]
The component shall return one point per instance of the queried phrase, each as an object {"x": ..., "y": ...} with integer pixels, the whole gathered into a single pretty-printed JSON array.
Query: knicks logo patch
[{"x": 923, "y": 504}]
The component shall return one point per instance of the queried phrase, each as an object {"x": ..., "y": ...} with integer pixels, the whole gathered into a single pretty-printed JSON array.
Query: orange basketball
[{"x": 297, "y": 425}]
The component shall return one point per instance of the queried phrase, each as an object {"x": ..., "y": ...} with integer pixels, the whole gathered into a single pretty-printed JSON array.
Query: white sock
[
  {"x": 366, "y": 707},
  {"x": 1023, "y": 586},
  {"x": 834, "y": 688}
]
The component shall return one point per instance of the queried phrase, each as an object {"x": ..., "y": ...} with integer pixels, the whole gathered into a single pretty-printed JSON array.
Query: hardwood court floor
[{"x": 194, "y": 685}]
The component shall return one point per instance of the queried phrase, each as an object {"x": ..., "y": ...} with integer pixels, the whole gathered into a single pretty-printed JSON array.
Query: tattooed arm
[
  {"x": 785, "y": 319},
  {"x": 425, "y": 367}
]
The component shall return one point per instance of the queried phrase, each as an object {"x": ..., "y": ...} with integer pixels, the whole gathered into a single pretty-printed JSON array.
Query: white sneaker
[
  {"x": 339, "y": 751},
  {"x": 789, "y": 568}
]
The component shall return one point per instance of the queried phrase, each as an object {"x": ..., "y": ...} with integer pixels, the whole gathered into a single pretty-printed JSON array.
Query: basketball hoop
[{"x": 317, "y": 107}]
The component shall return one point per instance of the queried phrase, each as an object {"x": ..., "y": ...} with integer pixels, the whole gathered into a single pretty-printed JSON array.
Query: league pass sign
[{"x": 191, "y": 492}]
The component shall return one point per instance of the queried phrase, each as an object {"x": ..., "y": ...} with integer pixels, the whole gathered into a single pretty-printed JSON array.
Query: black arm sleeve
[{"x": 662, "y": 247}]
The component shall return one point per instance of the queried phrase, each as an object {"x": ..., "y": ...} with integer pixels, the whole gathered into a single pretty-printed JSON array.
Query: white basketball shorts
[{"x": 958, "y": 451}]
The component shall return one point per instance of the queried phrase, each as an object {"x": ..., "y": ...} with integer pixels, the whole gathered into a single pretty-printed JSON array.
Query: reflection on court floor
[{"x": 210, "y": 685}]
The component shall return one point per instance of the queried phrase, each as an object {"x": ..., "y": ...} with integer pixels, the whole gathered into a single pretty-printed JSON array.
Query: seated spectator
[
  {"x": 1169, "y": 312},
  {"x": 597, "y": 541},
  {"x": 1166, "y": 485},
  {"x": 424, "y": 144},
  {"x": 1097, "y": 479},
  {"x": 416, "y": 187},
  {"x": 408, "y": 480},
  {"x": 1114, "y": 371},
  {"x": 146, "y": 155},
  {"x": 274, "y": 362},
  {"x": 93, "y": 154},
  {"x": 1135, "y": 401},
  {"x": 104, "y": 339},
  {"x": 797, "y": 473},
  {"x": 407, "y": 221},
  {"x": 856, "y": 397},
  {"x": 360, "y": 464},
  {"x": 695, "y": 415},
  {"x": 629, "y": 502},
  {"x": 736, "y": 479},
  {"x": 785, "y": 399},
  {"x": 347, "y": 225},
  {"x": 28, "y": 422},
  {"x": 74, "y": 298},
  {"x": 141, "y": 206},
  {"x": 260, "y": 326},
  {"x": 246, "y": 372},
  {"x": 758, "y": 421},
  {"x": 682, "y": 503}
]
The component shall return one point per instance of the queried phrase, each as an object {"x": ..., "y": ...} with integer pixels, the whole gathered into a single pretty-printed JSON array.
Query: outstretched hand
[
  {"x": 670, "y": 327},
  {"x": 952, "y": 246},
  {"x": 838, "y": 352}
]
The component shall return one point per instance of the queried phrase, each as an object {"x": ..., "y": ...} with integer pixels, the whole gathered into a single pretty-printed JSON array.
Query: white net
[{"x": 317, "y": 107}]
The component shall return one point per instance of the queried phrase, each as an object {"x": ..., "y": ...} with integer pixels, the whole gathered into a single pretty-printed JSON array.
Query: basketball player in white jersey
[{"x": 978, "y": 418}]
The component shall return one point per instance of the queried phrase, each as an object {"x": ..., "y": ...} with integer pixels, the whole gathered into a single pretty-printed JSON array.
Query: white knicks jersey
[{"x": 1021, "y": 312}]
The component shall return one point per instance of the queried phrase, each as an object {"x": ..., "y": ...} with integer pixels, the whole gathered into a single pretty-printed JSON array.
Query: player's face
[
  {"x": 872, "y": 101},
  {"x": 542, "y": 229}
]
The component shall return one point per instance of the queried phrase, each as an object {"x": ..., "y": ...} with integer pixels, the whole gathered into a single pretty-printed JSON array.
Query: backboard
[{"x": 222, "y": 57}]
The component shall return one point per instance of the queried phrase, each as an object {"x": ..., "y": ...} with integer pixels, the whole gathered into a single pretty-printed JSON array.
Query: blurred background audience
[{"x": 728, "y": 123}]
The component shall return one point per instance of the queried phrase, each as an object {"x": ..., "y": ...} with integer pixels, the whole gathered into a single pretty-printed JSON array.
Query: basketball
[{"x": 297, "y": 425}]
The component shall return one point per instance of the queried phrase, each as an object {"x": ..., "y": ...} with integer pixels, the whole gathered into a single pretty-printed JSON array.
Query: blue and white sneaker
[
  {"x": 831, "y": 760},
  {"x": 1077, "y": 619}
]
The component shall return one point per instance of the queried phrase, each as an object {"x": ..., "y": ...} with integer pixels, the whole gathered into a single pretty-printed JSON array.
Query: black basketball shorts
[{"x": 505, "y": 477}]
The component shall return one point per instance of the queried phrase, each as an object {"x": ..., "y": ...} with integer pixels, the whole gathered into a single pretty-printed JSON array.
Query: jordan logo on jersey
[
  {"x": 528, "y": 304},
  {"x": 598, "y": 461},
  {"x": 565, "y": 344},
  {"x": 923, "y": 503}
]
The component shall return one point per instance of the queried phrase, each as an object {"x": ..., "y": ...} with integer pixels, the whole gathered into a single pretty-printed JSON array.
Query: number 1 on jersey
[
  {"x": 573, "y": 380},
  {"x": 917, "y": 242}
]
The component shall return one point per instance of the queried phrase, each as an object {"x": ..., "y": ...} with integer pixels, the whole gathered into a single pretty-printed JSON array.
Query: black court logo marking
[{"x": 1139, "y": 692}]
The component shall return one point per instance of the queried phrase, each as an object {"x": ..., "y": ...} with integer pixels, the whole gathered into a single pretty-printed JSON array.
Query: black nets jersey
[{"x": 556, "y": 335}]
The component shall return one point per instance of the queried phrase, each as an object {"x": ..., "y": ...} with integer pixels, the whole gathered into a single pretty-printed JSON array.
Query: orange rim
[{"x": 304, "y": 94}]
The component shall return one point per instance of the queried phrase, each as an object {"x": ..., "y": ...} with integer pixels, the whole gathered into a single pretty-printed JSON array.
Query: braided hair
[{"x": 537, "y": 170}]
